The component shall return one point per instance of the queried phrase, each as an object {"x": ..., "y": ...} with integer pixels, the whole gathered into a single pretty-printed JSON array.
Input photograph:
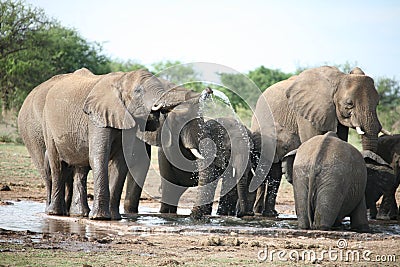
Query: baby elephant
[{"x": 329, "y": 181}]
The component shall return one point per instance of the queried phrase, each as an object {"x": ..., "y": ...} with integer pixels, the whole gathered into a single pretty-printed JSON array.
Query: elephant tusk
[
  {"x": 386, "y": 132},
  {"x": 233, "y": 172},
  {"x": 156, "y": 107},
  {"x": 196, "y": 153},
  {"x": 253, "y": 172},
  {"x": 359, "y": 131}
]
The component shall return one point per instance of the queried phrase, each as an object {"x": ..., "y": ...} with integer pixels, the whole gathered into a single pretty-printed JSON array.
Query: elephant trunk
[
  {"x": 370, "y": 128},
  {"x": 369, "y": 142}
]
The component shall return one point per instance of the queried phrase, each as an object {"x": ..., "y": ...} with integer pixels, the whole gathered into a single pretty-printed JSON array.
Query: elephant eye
[{"x": 349, "y": 103}]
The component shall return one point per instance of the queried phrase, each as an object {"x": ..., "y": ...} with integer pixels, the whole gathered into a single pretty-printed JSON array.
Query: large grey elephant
[
  {"x": 30, "y": 120},
  {"x": 319, "y": 100},
  {"x": 85, "y": 120},
  {"x": 389, "y": 150},
  {"x": 232, "y": 160},
  {"x": 329, "y": 181}
]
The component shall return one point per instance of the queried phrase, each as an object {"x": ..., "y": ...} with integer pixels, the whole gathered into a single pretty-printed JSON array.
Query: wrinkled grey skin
[
  {"x": 380, "y": 179},
  {"x": 83, "y": 119},
  {"x": 320, "y": 100},
  {"x": 389, "y": 150},
  {"x": 265, "y": 198},
  {"x": 225, "y": 132},
  {"x": 329, "y": 181},
  {"x": 30, "y": 120},
  {"x": 177, "y": 117},
  {"x": 175, "y": 179}
]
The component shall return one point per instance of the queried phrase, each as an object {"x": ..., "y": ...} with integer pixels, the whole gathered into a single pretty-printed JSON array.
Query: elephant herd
[{"x": 77, "y": 122}]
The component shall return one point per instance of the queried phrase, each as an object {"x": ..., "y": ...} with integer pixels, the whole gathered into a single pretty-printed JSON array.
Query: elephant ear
[
  {"x": 105, "y": 107},
  {"x": 311, "y": 96},
  {"x": 370, "y": 156}
]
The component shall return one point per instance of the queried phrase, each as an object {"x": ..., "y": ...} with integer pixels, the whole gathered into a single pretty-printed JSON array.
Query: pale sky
[{"x": 242, "y": 35}]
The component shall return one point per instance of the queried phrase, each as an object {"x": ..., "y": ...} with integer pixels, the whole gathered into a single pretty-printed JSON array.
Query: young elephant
[
  {"x": 329, "y": 181},
  {"x": 380, "y": 179},
  {"x": 230, "y": 158},
  {"x": 389, "y": 150}
]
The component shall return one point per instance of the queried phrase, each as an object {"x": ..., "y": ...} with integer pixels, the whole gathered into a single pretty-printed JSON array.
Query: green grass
[{"x": 15, "y": 163}]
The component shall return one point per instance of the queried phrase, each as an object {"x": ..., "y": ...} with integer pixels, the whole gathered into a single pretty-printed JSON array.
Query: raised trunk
[{"x": 369, "y": 142}]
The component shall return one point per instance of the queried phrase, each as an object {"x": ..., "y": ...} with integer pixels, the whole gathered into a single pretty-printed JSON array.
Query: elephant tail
[
  {"x": 310, "y": 199},
  {"x": 46, "y": 165}
]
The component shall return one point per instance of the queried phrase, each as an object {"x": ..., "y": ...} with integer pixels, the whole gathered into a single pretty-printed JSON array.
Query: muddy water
[{"x": 25, "y": 215}]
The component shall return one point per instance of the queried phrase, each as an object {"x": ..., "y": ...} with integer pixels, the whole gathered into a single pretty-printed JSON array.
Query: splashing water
[{"x": 216, "y": 105}]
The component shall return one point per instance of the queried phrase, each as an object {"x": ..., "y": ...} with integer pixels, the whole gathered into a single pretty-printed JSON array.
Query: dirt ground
[{"x": 266, "y": 247}]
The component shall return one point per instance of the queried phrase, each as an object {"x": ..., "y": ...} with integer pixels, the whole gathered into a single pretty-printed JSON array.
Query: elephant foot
[
  {"x": 247, "y": 213},
  {"x": 165, "y": 208},
  {"x": 116, "y": 216},
  {"x": 96, "y": 214},
  {"x": 270, "y": 213},
  {"x": 386, "y": 216},
  {"x": 54, "y": 209},
  {"x": 79, "y": 211},
  {"x": 226, "y": 211},
  {"x": 130, "y": 209},
  {"x": 363, "y": 228},
  {"x": 197, "y": 213}
]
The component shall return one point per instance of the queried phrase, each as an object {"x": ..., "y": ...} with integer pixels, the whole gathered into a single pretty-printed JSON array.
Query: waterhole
[{"x": 29, "y": 216}]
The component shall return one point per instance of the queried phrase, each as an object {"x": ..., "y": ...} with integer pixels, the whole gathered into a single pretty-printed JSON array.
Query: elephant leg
[
  {"x": 117, "y": 174},
  {"x": 45, "y": 172},
  {"x": 388, "y": 209},
  {"x": 68, "y": 178},
  {"x": 328, "y": 204},
  {"x": 274, "y": 181},
  {"x": 300, "y": 190},
  {"x": 140, "y": 167},
  {"x": 170, "y": 195},
  {"x": 208, "y": 179},
  {"x": 227, "y": 203},
  {"x": 358, "y": 217},
  {"x": 373, "y": 211},
  {"x": 228, "y": 195},
  {"x": 260, "y": 198},
  {"x": 99, "y": 154},
  {"x": 57, "y": 203},
  {"x": 79, "y": 204}
]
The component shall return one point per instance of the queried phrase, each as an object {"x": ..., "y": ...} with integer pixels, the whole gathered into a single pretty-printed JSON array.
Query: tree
[
  {"x": 129, "y": 65},
  {"x": 178, "y": 73},
  {"x": 242, "y": 92},
  {"x": 389, "y": 103},
  {"x": 264, "y": 77},
  {"x": 33, "y": 48}
]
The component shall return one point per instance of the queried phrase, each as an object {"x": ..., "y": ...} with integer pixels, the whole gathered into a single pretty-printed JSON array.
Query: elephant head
[
  {"x": 182, "y": 120},
  {"x": 329, "y": 99},
  {"x": 122, "y": 100}
]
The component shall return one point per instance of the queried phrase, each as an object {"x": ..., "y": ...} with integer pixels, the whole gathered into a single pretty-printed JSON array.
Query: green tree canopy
[
  {"x": 389, "y": 103},
  {"x": 244, "y": 93},
  {"x": 33, "y": 48}
]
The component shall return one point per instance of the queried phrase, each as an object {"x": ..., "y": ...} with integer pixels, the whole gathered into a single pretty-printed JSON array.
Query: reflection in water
[{"x": 24, "y": 215}]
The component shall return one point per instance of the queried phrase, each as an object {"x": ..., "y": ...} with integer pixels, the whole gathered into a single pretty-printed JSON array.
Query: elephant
[
  {"x": 231, "y": 159},
  {"x": 380, "y": 179},
  {"x": 329, "y": 182},
  {"x": 314, "y": 102},
  {"x": 30, "y": 119},
  {"x": 91, "y": 122},
  {"x": 170, "y": 128},
  {"x": 389, "y": 150}
]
